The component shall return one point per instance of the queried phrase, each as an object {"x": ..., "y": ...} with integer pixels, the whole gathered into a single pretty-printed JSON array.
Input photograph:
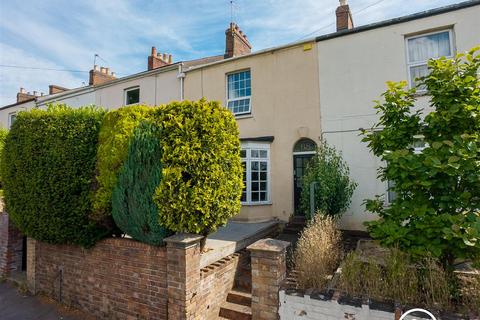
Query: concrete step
[
  {"x": 234, "y": 311},
  {"x": 240, "y": 297}
]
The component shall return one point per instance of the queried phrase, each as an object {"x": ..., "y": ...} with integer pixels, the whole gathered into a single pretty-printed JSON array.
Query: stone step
[
  {"x": 240, "y": 297},
  {"x": 234, "y": 311}
]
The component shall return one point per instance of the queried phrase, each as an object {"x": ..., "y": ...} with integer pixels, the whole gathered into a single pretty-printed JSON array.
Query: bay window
[{"x": 256, "y": 173}]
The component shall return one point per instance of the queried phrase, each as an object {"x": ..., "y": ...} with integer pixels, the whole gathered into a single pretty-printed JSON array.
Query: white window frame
[
  {"x": 256, "y": 146},
  {"x": 10, "y": 115},
  {"x": 125, "y": 91},
  {"x": 425, "y": 62},
  {"x": 240, "y": 98}
]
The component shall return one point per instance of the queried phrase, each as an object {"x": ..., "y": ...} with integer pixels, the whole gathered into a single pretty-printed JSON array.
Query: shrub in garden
[
  {"x": 114, "y": 137},
  {"x": 202, "y": 174},
  {"x": 133, "y": 208},
  {"x": 48, "y": 166},
  {"x": 437, "y": 208},
  {"x": 318, "y": 252},
  {"x": 334, "y": 187}
]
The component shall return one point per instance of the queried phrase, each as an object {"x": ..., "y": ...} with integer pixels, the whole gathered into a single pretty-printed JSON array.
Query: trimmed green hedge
[
  {"x": 3, "y": 136},
  {"x": 48, "y": 166},
  {"x": 114, "y": 137},
  {"x": 202, "y": 183},
  {"x": 133, "y": 208}
]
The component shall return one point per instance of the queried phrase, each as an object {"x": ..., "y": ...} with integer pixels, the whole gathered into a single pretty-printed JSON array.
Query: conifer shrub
[
  {"x": 48, "y": 166},
  {"x": 201, "y": 182},
  {"x": 114, "y": 137},
  {"x": 133, "y": 208},
  {"x": 3, "y": 136}
]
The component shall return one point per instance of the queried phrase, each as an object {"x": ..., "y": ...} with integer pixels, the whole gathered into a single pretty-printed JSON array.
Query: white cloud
[{"x": 66, "y": 35}]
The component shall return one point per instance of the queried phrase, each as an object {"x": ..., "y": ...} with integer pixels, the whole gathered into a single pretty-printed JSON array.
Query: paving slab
[
  {"x": 233, "y": 237},
  {"x": 16, "y": 306}
]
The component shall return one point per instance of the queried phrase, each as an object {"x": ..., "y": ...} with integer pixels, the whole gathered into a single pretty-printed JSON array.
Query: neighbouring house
[
  {"x": 353, "y": 66},
  {"x": 286, "y": 98}
]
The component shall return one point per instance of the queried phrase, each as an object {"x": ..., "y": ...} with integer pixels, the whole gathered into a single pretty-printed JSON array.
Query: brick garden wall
[
  {"x": 216, "y": 280},
  {"x": 11, "y": 245},
  {"x": 117, "y": 279}
]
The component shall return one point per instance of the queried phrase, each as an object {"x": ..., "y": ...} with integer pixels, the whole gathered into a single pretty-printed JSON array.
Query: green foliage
[
  {"x": 3, "y": 136},
  {"x": 334, "y": 188},
  {"x": 202, "y": 173},
  {"x": 48, "y": 166},
  {"x": 115, "y": 133},
  {"x": 437, "y": 209},
  {"x": 133, "y": 208}
]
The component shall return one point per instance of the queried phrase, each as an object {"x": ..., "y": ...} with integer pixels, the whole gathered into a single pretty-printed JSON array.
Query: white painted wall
[
  {"x": 353, "y": 70},
  {"x": 5, "y": 112}
]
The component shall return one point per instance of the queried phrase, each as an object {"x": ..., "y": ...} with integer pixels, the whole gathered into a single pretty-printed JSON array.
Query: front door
[{"x": 300, "y": 162}]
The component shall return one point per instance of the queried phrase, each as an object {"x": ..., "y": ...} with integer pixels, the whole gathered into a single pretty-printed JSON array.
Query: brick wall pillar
[
  {"x": 268, "y": 271},
  {"x": 183, "y": 275},
  {"x": 31, "y": 265}
]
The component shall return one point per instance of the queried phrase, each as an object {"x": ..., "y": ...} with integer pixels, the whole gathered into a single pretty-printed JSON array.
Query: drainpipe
[{"x": 181, "y": 76}]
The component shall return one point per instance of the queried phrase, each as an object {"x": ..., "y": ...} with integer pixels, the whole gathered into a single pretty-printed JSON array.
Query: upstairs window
[
  {"x": 256, "y": 173},
  {"x": 132, "y": 96},
  {"x": 11, "y": 119},
  {"x": 239, "y": 92},
  {"x": 424, "y": 47}
]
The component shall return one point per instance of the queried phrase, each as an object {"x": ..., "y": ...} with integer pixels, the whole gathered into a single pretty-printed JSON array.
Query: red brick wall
[
  {"x": 11, "y": 245},
  {"x": 216, "y": 280},
  {"x": 117, "y": 279}
]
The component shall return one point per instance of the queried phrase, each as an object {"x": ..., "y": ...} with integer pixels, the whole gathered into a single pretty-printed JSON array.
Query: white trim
[
  {"x": 10, "y": 118},
  {"x": 125, "y": 91},
  {"x": 297, "y": 153},
  {"x": 227, "y": 100},
  {"x": 248, "y": 146},
  {"x": 425, "y": 62}
]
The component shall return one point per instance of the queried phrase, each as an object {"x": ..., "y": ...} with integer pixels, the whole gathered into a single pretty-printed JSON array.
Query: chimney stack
[
  {"x": 100, "y": 76},
  {"x": 157, "y": 60},
  {"x": 23, "y": 95},
  {"x": 236, "y": 42},
  {"x": 344, "y": 16},
  {"x": 52, "y": 89}
]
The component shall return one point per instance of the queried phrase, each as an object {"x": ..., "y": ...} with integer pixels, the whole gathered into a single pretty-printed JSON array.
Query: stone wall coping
[
  {"x": 269, "y": 245},
  {"x": 183, "y": 240}
]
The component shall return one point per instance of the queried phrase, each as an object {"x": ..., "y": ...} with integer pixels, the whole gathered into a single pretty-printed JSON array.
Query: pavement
[
  {"x": 17, "y": 306},
  {"x": 234, "y": 236}
]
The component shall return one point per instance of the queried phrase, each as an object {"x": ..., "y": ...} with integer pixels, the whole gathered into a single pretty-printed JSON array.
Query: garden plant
[{"x": 437, "y": 208}]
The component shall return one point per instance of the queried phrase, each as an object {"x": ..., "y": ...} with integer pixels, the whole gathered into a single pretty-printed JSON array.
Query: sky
[{"x": 59, "y": 34}]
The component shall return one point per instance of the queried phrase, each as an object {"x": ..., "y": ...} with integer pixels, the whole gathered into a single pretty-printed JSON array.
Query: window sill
[
  {"x": 244, "y": 116},
  {"x": 268, "y": 203}
]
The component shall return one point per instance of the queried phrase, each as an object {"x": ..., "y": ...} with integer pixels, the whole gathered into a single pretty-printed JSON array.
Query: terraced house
[{"x": 285, "y": 99}]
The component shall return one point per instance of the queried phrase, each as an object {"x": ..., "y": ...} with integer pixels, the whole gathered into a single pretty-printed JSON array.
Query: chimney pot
[
  {"x": 236, "y": 43},
  {"x": 164, "y": 57},
  {"x": 154, "y": 51},
  {"x": 113, "y": 74},
  {"x": 169, "y": 59},
  {"x": 34, "y": 93},
  {"x": 22, "y": 90},
  {"x": 102, "y": 69},
  {"x": 344, "y": 16},
  {"x": 107, "y": 70},
  {"x": 95, "y": 67}
]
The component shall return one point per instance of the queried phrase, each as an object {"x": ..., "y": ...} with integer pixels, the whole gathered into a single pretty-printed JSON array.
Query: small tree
[
  {"x": 333, "y": 186},
  {"x": 133, "y": 208},
  {"x": 437, "y": 208},
  {"x": 201, "y": 181}
]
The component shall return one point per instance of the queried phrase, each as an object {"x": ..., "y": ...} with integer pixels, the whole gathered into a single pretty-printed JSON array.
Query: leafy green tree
[
  {"x": 333, "y": 185},
  {"x": 3, "y": 136},
  {"x": 437, "y": 208},
  {"x": 133, "y": 208},
  {"x": 201, "y": 183}
]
